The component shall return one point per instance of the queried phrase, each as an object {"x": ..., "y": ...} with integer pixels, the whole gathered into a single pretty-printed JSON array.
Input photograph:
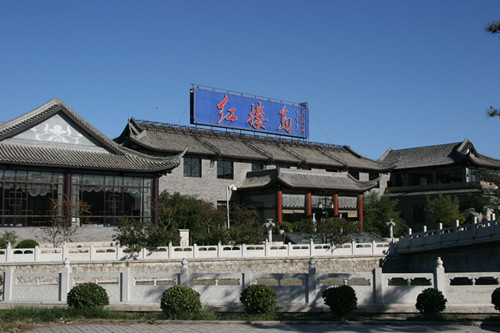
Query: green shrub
[
  {"x": 87, "y": 295},
  {"x": 342, "y": 300},
  {"x": 8, "y": 237},
  {"x": 27, "y": 244},
  {"x": 180, "y": 302},
  {"x": 258, "y": 299},
  {"x": 430, "y": 302},
  {"x": 495, "y": 298}
]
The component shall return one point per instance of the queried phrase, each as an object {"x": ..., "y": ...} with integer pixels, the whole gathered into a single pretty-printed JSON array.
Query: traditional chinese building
[
  {"x": 425, "y": 172},
  {"x": 285, "y": 179},
  {"x": 51, "y": 159}
]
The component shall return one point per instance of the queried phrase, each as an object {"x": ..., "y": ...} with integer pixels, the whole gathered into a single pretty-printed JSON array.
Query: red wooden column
[
  {"x": 279, "y": 206},
  {"x": 360, "y": 212},
  {"x": 156, "y": 197},
  {"x": 308, "y": 205},
  {"x": 336, "y": 205}
]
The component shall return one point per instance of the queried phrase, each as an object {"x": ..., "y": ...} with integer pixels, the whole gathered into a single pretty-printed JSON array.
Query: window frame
[
  {"x": 225, "y": 169},
  {"x": 189, "y": 163}
]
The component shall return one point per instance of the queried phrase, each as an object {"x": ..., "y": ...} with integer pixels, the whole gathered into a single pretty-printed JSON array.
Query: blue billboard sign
[{"x": 223, "y": 109}]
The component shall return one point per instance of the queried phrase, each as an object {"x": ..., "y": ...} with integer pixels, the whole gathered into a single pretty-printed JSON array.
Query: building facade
[
  {"x": 285, "y": 179},
  {"x": 57, "y": 168},
  {"x": 425, "y": 172}
]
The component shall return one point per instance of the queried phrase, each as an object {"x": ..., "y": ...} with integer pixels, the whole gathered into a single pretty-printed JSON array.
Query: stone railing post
[
  {"x": 92, "y": 252},
  {"x": 119, "y": 252},
  {"x": 8, "y": 253},
  {"x": 126, "y": 282},
  {"x": 185, "y": 276},
  {"x": 143, "y": 253},
  {"x": 219, "y": 250},
  {"x": 170, "y": 250},
  {"x": 36, "y": 254},
  {"x": 64, "y": 251},
  {"x": 65, "y": 282},
  {"x": 311, "y": 293},
  {"x": 8, "y": 283},
  {"x": 247, "y": 279},
  {"x": 439, "y": 277},
  {"x": 378, "y": 286}
]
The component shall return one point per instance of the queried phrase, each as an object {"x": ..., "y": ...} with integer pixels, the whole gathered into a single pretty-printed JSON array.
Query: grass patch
[{"x": 20, "y": 319}]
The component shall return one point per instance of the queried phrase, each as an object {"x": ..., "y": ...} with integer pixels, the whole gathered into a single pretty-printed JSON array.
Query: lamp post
[{"x": 229, "y": 188}]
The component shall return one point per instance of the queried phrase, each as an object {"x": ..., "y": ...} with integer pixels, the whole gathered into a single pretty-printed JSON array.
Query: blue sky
[{"x": 376, "y": 74}]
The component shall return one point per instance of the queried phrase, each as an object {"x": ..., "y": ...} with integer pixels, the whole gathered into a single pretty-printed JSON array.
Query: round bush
[
  {"x": 342, "y": 300},
  {"x": 179, "y": 301},
  {"x": 27, "y": 244},
  {"x": 430, "y": 302},
  {"x": 258, "y": 299},
  {"x": 495, "y": 298},
  {"x": 87, "y": 295}
]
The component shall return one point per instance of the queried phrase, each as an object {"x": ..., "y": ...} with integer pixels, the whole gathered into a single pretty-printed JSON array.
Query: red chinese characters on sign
[
  {"x": 256, "y": 116},
  {"x": 228, "y": 116},
  {"x": 286, "y": 122},
  {"x": 300, "y": 121}
]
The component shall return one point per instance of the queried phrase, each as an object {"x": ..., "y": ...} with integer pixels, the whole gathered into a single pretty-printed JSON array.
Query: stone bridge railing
[
  {"x": 137, "y": 285},
  {"x": 456, "y": 236},
  {"x": 275, "y": 250}
]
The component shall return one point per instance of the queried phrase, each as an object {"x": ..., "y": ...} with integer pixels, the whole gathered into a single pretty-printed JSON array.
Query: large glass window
[
  {"x": 111, "y": 197},
  {"x": 192, "y": 167},
  {"x": 29, "y": 198},
  {"x": 225, "y": 169}
]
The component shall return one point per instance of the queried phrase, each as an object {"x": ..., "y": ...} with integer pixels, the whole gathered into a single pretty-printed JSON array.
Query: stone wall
[{"x": 137, "y": 285}]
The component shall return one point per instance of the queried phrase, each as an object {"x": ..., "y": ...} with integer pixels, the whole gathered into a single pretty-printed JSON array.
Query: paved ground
[{"x": 261, "y": 328}]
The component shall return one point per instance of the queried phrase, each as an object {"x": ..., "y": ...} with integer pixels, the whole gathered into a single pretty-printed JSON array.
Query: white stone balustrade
[
  {"x": 95, "y": 253},
  {"x": 458, "y": 235}
]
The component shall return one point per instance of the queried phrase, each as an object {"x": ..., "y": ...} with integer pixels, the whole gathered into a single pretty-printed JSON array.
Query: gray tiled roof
[
  {"x": 438, "y": 155},
  {"x": 112, "y": 157},
  {"x": 305, "y": 179},
  {"x": 158, "y": 137},
  {"x": 56, "y": 157}
]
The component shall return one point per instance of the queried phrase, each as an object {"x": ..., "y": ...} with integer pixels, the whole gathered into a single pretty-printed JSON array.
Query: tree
[
  {"x": 494, "y": 196},
  {"x": 206, "y": 223},
  {"x": 493, "y": 28},
  {"x": 8, "y": 237},
  {"x": 61, "y": 225},
  {"x": 493, "y": 112},
  {"x": 377, "y": 211},
  {"x": 444, "y": 209},
  {"x": 334, "y": 230},
  {"x": 247, "y": 226}
]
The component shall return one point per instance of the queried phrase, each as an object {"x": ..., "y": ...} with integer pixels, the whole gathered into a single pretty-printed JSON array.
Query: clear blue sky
[{"x": 376, "y": 74}]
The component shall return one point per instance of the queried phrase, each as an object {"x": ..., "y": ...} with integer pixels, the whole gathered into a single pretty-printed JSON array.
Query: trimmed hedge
[
  {"x": 342, "y": 300},
  {"x": 87, "y": 295},
  {"x": 495, "y": 298},
  {"x": 430, "y": 302},
  {"x": 258, "y": 299},
  {"x": 180, "y": 301},
  {"x": 27, "y": 244}
]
